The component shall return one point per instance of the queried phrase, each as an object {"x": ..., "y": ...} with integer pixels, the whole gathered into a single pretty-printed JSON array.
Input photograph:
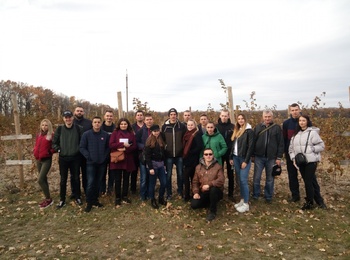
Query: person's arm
[
  {"x": 222, "y": 146},
  {"x": 83, "y": 147}
]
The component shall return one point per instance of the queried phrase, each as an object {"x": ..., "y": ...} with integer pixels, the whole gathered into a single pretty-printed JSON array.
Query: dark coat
[{"x": 94, "y": 146}]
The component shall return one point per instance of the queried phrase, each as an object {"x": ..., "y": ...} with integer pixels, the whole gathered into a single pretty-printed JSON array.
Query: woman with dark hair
[
  {"x": 43, "y": 154},
  {"x": 155, "y": 156},
  {"x": 242, "y": 150},
  {"x": 122, "y": 139},
  {"x": 193, "y": 145},
  {"x": 307, "y": 141}
]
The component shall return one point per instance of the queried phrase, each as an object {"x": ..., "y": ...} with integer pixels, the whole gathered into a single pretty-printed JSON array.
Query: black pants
[
  {"x": 230, "y": 176},
  {"x": 121, "y": 178},
  {"x": 209, "y": 198},
  {"x": 72, "y": 164},
  {"x": 188, "y": 174},
  {"x": 312, "y": 188},
  {"x": 292, "y": 178}
]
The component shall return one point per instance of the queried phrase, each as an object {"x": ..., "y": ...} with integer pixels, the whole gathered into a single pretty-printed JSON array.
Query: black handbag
[{"x": 300, "y": 158}]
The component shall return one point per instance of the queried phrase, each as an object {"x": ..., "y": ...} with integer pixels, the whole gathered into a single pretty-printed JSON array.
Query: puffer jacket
[
  {"x": 212, "y": 175},
  {"x": 314, "y": 147}
]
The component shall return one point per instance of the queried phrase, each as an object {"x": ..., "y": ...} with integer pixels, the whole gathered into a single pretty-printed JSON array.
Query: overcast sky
[{"x": 175, "y": 51}]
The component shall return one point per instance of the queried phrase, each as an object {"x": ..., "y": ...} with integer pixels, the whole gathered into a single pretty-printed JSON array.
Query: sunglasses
[{"x": 208, "y": 154}]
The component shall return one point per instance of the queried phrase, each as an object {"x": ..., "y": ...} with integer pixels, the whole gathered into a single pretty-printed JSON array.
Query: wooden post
[
  {"x": 230, "y": 105},
  {"x": 120, "y": 105},
  {"x": 18, "y": 142}
]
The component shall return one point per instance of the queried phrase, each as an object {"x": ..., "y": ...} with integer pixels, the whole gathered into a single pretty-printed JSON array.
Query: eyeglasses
[{"x": 208, "y": 154}]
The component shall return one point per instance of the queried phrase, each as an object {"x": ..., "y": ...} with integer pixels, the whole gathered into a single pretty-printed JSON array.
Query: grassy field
[{"x": 279, "y": 230}]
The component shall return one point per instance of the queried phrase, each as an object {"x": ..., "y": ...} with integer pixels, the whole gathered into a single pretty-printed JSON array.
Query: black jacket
[
  {"x": 226, "y": 130},
  {"x": 245, "y": 144}
]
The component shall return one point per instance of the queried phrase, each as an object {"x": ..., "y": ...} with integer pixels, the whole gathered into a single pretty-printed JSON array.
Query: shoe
[
  {"x": 211, "y": 216},
  {"x": 126, "y": 200},
  {"x": 239, "y": 204},
  {"x": 78, "y": 201},
  {"x": 97, "y": 204},
  {"x": 46, "y": 203},
  {"x": 154, "y": 204},
  {"x": 268, "y": 201},
  {"x": 72, "y": 197},
  {"x": 161, "y": 201},
  {"x": 294, "y": 199},
  {"x": 118, "y": 202},
  {"x": 61, "y": 204},
  {"x": 169, "y": 197},
  {"x": 307, "y": 205},
  {"x": 88, "y": 207},
  {"x": 109, "y": 193},
  {"x": 243, "y": 208},
  {"x": 322, "y": 206}
]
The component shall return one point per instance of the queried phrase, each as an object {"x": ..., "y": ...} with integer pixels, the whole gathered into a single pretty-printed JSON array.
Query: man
[
  {"x": 268, "y": 151},
  {"x": 141, "y": 137},
  {"x": 208, "y": 184},
  {"x": 203, "y": 120},
  {"x": 86, "y": 124},
  {"x": 94, "y": 146},
  {"x": 173, "y": 131},
  {"x": 289, "y": 126},
  {"x": 186, "y": 116},
  {"x": 109, "y": 127},
  {"x": 66, "y": 142},
  {"x": 139, "y": 123},
  {"x": 225, "y": 128}
]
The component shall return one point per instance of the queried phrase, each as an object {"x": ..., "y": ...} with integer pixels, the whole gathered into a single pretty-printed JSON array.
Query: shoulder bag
[{"x": 300, "y": 158}]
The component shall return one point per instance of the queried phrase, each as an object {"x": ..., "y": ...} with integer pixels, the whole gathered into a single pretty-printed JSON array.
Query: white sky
[{"x": 175, "y": 51}]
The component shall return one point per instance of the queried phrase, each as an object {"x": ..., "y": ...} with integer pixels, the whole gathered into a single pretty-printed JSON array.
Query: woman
[
  {"x": 155, "y": 156},
  {"x": 214, "y": 140},
  {"x": 241, "y": 152},
  {"x": 43, "y": 154},
  {"x": 208, "y": 184},
  {"x": 193, "y": 145},
  {"x": 122, "y": 139},
  {"x": 306, "y": 140}
]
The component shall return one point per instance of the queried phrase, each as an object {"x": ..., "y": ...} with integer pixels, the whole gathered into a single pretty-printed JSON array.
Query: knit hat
[
  {"x": 154, "y": 128},
  {"x": 67, "y": 114},
  {"x": 172, "y": 110}
]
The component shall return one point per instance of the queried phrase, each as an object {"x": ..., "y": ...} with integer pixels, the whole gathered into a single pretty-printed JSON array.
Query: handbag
[
  {"x": 117, "y": 156},
  {"x": 300, "y": 158}
]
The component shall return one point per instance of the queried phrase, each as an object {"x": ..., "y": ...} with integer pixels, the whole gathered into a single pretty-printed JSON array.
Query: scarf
[{"x": 187, "y": 141}]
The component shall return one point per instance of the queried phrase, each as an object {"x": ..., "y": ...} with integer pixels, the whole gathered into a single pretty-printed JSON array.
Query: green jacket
[{"x": 217, "y": 143}]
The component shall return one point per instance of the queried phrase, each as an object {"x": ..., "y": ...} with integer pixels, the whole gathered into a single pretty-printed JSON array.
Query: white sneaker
[
  {"x": 239, "y": 204},
  {"x": 243, "y": 208}
]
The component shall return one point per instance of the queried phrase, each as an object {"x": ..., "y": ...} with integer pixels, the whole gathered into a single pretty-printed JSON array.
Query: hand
[
  {"x": 231, "y": 162},
  {"x": 151, "y": 171},
  {"x": 205, "y": 188},
  {"x": 126, "y": 144},
  {"x": 244, "y": 164},
  {"x": 278, "y": 162},
  {"x": 295, "y": 165},
  {"x": 196, "y": 196}
]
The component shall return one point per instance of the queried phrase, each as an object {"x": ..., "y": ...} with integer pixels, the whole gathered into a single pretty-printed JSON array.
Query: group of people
[{"x": 199, "y": 152}]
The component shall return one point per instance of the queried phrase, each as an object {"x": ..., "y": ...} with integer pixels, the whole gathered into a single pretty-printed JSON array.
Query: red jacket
[
  {"x": 128, "y": 163},
  {"x": 43, "y": 147}
]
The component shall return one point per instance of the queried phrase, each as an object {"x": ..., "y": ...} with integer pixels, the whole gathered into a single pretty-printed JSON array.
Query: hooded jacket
[
  {"x": 226, "y": 130},
  {"x": 173, "y": 134},
  {"x": 217, "y": 143},
  {"x": 212, "y": 175},
  {"x": 314, "y": 147},
  {"x": 244, "y": 144}
]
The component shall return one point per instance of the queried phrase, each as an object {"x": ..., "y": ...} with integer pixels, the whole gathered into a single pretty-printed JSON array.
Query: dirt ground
[{"x": 136, "y": 231}]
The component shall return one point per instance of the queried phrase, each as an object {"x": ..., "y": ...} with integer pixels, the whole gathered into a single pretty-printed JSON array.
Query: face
[
  {"x": 173, "y": 117},
  {"x": 187, "y": 116},
  {"x": 208, "y": 155},
  {"x": 156, "y": 133},
  {"x": 210, "y": 128},
  {"x": 108, "y": 117},
  {"x": 203, "y": 120},
  {"x": 224, "y": 116},
  {"x": 267, "y": 117},
  {"x": 79, "y": 112},
  {"x": 295, "y": 112},
  {"x": 68, "y": 120},
  {"x": 148, "y": 121},
  {"x": 96, "y": 124},
  {"x": 241, "y": 120},
  {"x": 139, "y": 117},
  {"x": 44, "y": 126},
  {"x": 302, "y": 123},
  {"x": 190, "y": 125},
  {"x": 123, "y": 125}
]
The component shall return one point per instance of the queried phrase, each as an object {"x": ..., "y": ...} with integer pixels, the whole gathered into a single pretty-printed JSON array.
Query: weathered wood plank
[
  {"x": 18, "y": 162},
  {"x": 16, "y": 137}
]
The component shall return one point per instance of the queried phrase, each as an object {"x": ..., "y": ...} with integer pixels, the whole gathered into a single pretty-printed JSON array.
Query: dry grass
[{"x": 136, "y": 231}]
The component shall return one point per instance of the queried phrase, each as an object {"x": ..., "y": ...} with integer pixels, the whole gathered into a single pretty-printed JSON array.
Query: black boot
[
  {"x": 154, "y": 204},
  {"x": 307, "y": 205},
  {"x": 161, "y": 201}
]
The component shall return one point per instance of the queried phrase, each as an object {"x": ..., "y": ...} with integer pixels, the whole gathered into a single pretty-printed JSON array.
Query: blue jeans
[
  {"x": 169, "y": 167},
  {"x": 242, "y": 176},
  {"x": 160, "y": 173},
  {"x": 144, "y": 180},
  {"x": 94, "y": 175},
  {"x": 260, "y": 164}
]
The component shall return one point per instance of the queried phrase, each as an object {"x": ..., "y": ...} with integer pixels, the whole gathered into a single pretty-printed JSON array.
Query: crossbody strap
[{"x": 307, "y": 141}]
